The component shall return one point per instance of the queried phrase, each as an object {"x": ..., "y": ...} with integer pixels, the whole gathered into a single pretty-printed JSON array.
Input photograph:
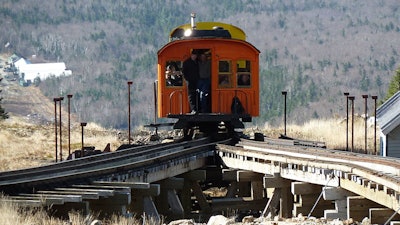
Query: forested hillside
[{"x": 314, "y": 49}]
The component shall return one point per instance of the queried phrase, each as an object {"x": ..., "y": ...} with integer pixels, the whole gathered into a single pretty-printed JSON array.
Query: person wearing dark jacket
[{"x": 191, "y": 75}]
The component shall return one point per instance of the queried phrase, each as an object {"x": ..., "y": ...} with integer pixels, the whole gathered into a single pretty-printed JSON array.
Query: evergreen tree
[
  {"x": 3, "y": 114},
  {"x": 394, "y": 85}
]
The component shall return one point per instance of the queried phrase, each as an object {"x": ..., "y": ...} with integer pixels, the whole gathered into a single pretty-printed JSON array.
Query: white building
[
  {"x": 42, "y": 70},
  {"x": 388, "y": 118}
]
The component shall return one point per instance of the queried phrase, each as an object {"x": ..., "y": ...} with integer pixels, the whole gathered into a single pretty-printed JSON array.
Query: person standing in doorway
[
  {"x": 191, "y": 75},
  {"x": 204, "y": 82}
]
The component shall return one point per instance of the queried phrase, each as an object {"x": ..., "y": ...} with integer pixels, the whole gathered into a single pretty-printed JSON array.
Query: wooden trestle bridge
[{"x": 176, "y": 180}]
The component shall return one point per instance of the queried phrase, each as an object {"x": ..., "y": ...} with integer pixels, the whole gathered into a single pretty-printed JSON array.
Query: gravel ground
[{"x": 300, "y": 219}]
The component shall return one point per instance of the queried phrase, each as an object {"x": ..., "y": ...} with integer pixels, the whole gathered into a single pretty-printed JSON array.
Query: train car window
[
  {"x": 224, "y": 73},
  {"x": 225, "y": 66},
  {"x": 243, "y": 73},
  {"x": 173, "y": 74}
]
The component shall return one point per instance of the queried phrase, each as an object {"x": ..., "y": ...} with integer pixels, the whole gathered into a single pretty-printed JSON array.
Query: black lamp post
[
  {"x": 60, "y": 99},
  {"x": 69, "y": 123},
  {"x": 82, "y": 152},
  {"x": 347, "y": 120},
  {"x": 284, "y": 93},
  {"x": 155, "y": 101},
  {"x": 129, "y": 111},
  {"x": 374, "y": 97},
  {"x": 55, "y": 124},
  {"x": 365, "y": 122},
  {"x": 351, "y": 98}
]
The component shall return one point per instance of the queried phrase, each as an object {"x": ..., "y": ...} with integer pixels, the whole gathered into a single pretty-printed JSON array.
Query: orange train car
[{"x": 234, "y": 82}]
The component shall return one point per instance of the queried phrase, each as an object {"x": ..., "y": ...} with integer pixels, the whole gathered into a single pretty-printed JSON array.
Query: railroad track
[
  {"x": 85, "y": 179},
  {"x": 384, "y": 169},
  {"x": 356, "y": 176},
  {"x": 127, "y": 163}
]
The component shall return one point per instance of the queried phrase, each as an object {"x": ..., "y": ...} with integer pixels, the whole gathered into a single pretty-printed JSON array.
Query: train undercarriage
[{"x": 210, "y": 124}]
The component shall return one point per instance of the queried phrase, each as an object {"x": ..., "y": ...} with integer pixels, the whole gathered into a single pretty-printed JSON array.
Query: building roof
[
  {"x": 43, "y": 70},
  {"x": 388, "y": 114}
]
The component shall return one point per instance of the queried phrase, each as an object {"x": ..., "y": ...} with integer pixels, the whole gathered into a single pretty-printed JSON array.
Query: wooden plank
[
  {"x": 133, "y": 185},
  {"x": 301, "y": 188},
  {"x": 358, "y": 207},
  {"x": 100, "y": 192},
  {"x": 336, "y": 193},
  {"x": 248, "y": 176},
  {"x": 85, "y": 195},
  {"x": 45, "y": 201},
  {"x": 119, "y": 189},
  {"x": 381, "y": 215},
  {"x": 276, "y": 182},
  {"x": 67, "y": 198},
  {"x": 24, "y": 203},
  {"x": 275, "y": 141},
  {"x": 153, "y": 190}
]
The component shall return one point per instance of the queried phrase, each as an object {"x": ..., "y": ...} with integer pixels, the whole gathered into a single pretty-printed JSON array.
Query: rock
[
  {"x": 96, "y": 222},
  {"x": 337, "y": 222},
  {"x": 248, "y": 219},
  {"x": 365, "y": 221},
  {"x": 348, "y": 221},
  {"x": 219, "y": 220},
  {"x": 182, "y": 222}
]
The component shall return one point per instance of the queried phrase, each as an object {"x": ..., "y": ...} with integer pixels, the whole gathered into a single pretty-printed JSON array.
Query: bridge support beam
[
  {"x": 142, "y": 195},
  {"x": 306, "y": 196},
  {"x": 381, "y": 215},
  {"x": 191, "y": 180},
  {"x": 282, "y": 197},
  {"x": 339, "y": 195},
  {"x": 142, "y": 201},
  {"x": 168, "y": 201},
  {"x": 358, "y": 207},
  {"x": 244, "y": 184},
  {"x": 116, "y": 204}
]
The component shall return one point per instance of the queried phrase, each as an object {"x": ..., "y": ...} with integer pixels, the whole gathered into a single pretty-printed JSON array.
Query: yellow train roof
[{"x": 235, "y": 32}]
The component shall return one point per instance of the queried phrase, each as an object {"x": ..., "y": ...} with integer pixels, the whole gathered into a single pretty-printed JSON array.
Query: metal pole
[
  {"x": 129, "y": 111},
  {"x": 375, "y": 98},
  {"x": 365, "y": 123},
  {"x": 82, "y": 152},
  {"x": 351, "y": 98},
  {"x": 347, "y": 120},
  {"x": 284, "y": 93},
  {"x": 55, "y": 123},
  {"x": 155, "y": 101},
  {"x": 61, "y": 98},
  {"x": 69, "y": 123}
]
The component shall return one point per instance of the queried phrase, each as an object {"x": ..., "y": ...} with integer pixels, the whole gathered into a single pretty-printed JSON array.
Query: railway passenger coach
[{"x": 234, "y": 83}]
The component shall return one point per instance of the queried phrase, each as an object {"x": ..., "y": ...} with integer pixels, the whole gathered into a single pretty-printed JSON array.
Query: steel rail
[
  {"x": 91, "y": 160},
  {"x": 95, "y": 169}
]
